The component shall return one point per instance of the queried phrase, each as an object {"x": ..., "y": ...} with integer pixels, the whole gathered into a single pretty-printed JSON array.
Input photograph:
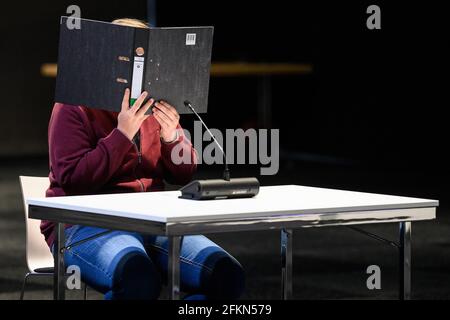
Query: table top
[{"x": 271, "y": 201}]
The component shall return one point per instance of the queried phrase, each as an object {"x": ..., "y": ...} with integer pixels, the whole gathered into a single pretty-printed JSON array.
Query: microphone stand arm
[{"x": 226, "y": 171}]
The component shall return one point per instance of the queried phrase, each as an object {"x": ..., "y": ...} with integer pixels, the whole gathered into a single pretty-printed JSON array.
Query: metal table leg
[
  {"x": 59, "y": 272},
  {"x": 174, "y": 266},
  {"x": 286, "y": 264},
  {"x": 405, "y": 261}
]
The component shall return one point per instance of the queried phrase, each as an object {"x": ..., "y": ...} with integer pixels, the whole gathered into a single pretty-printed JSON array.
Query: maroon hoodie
[{"x": 89, "y": 155}]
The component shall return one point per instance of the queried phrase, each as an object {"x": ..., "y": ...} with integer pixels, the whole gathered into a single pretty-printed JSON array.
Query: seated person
[{"x": 94, "y": 151}]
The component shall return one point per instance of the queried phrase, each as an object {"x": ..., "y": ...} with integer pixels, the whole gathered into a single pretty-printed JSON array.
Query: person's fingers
[
  {"x": 169, "y": 110},
  {"x": 163, "y": 109},
  {"x": 162, "y": 122},
  {"x": 126, "y": 100},
  {"x": 160, "y": 109},
  {"x": 160, "y": 116},
  {"x": 138, "y": 102},
  {"x": 164, "y": 116},
  {"x": 145, "y": 107}
]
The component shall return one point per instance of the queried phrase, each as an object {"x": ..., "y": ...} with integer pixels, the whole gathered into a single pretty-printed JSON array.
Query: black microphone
[{"x": 218, "y": 188}]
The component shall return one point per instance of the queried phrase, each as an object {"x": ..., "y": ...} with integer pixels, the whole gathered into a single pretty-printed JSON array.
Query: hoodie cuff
[
  {"x": 177, "y": 136},
  {"x": 118, "y": 142},
  {"x": 166, "y": 147}
]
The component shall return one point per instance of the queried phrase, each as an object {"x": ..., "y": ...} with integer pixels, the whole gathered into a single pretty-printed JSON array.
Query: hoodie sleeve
[
  {"x": 179, "y": 158},
  {"x": 79, "y": 164}
]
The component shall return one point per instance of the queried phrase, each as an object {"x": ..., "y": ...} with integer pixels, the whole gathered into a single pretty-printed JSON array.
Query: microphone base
[{"x": 212, "y": 189}]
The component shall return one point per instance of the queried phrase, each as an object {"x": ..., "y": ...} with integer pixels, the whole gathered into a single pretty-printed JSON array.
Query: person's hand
[
  {"x": 129, "y": 119},
  {"x": 168, "y": 119}
]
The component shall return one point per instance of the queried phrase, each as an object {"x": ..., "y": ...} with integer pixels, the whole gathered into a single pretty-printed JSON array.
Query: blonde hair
[{"x": 130, "y": 22}]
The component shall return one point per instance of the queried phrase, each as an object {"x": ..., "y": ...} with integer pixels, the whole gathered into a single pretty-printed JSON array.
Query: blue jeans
[{"x": 127, "y": 265}]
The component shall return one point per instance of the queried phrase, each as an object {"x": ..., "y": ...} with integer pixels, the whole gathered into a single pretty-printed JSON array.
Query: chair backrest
[{"x": 37, "y": 251}]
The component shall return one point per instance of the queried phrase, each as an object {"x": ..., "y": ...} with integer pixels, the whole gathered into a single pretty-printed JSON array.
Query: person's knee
[
  {"x": 136, "y": 278},
  {"x": 227, "y": 280}
]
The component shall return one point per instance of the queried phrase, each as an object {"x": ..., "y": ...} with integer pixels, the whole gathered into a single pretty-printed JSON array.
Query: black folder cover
[{"x": 98, "y": 61}]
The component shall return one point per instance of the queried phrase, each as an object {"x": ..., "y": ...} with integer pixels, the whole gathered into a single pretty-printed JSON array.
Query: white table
[{"x": 283, "y": 207}]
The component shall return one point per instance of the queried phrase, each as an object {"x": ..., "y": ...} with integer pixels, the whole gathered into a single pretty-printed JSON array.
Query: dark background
[
  {"x": 370, "y": 117},
  {"x": 375, "y": 95}
]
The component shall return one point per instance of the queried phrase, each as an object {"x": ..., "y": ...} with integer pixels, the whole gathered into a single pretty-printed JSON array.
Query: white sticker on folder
[
  {"x": 190, "y": 39},
  {"x": 138, "y": 73}
]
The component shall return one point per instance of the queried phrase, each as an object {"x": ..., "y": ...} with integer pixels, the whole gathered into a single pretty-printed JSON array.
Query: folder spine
[{"x": 139, "y": 63}]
